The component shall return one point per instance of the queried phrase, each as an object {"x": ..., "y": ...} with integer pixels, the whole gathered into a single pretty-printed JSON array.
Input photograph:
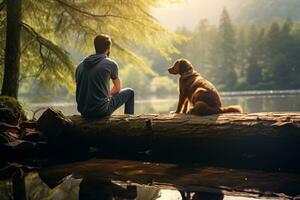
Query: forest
[
  {"x": 261, "y": 54},
  {"x": 250, "y": 57}
]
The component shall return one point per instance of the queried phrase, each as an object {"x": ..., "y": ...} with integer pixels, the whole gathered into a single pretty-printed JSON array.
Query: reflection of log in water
[
  {"x": 18, "y": 185},
  {"x": 105, "y": 190},
  {"x": 192, "y": 178},
  {"x": 262, "y": 140}
]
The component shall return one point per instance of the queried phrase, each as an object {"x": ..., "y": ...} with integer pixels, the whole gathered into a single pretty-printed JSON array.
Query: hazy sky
[{"x": 188, "y": 12}]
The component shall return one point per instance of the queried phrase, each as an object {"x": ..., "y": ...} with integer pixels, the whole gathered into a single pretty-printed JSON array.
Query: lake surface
[
  {"x": 71, "y": 186},
  {"x": 101, "y": 179},
  {"x": 251, "y": 101}
]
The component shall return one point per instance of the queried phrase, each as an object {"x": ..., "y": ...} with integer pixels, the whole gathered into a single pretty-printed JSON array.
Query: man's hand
[
  {"x": 114, "y": 91},
  {"x": 116, "y": 88}
]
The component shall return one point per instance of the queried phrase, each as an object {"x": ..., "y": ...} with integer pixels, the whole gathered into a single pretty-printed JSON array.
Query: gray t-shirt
[{"x": 93, "y": 76}]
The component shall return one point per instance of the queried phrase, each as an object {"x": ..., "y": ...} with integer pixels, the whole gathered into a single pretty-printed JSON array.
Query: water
[
  {"x": 251, "y": 101},
  {"x": 100, "y": 178}
]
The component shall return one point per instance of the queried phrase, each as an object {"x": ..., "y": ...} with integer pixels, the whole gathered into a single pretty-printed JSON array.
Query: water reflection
[
  {"x": 253, "y": 103},
  {"x": 70, "y": 188},
  {"x": 125, "y": 179}
]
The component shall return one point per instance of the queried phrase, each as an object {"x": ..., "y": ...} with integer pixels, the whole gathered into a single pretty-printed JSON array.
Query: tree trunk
[
  {"x": 261, "y": 140},
  {"x": 12, "y": 50}
]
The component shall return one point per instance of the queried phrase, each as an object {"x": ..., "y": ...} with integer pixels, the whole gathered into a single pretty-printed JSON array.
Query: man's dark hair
[{"x": 102, "y": 43}]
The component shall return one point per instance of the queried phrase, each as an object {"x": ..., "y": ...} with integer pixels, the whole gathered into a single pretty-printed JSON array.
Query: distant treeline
[
  {"x": 259, "y": 56},
  {"x": 242, "y": 57}
]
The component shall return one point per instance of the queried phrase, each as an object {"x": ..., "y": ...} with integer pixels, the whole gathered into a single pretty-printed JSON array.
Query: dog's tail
[
  {"x": 232, "y": 109},
  {"x": 201, "y": 108}
]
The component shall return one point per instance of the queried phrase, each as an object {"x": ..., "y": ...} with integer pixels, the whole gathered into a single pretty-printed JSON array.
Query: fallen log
[{"x": 259, "y": 140}]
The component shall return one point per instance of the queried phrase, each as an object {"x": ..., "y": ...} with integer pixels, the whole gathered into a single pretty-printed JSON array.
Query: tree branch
[
  {"x": 67, "y": 7},
  {"x": 79, "y": 22},
  {"x": 139, "y": 61},
  {"x": 25, "y": 46},
  {"x": 2, "y": 5},
  {"x": 84, "y": 12},
  {"x": 61, "y": 54}
]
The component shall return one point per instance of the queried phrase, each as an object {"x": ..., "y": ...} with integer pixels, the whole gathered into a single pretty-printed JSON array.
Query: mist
[{"x": 188, "y": 13}]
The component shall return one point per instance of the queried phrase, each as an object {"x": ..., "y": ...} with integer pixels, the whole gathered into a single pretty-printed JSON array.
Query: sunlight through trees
[{"x": 50, "y": 28}]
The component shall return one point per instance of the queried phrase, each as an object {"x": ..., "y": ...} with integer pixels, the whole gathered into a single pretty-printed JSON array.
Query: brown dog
[{"x": 195, "y": 90}]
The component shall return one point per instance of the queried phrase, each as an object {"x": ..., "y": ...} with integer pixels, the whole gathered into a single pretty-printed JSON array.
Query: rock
[
  {"x": 20, "y": 145},
  {"x": 53, "y": 123},
  {"x": 29, "y": 124},
  {"x": 8, "y": 136},
  {"x": 34, "y": 136},
  {"x": 8, "y": 133}
]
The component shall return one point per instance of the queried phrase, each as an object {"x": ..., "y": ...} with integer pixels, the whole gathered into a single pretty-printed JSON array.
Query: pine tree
[
  {"x": 241, "y": 53},
  {"x": 200, "y": 46},
  {"x": 294, "y": 56},
  {"x": 284, "y": 69},
  {"x": 281, "y": 45},
  {"x": 227, "y": 51},
  {"x": 50, "y": 28},
  {"x": 254, "y": 70},
  {"x": 272, "y": 49}
]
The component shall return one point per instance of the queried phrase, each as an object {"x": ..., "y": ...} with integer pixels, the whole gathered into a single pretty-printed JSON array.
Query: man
[{"x": 93, "y": 95}]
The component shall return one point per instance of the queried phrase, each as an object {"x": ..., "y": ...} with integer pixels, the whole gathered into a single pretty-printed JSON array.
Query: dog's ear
[{"x": 184, "y": 66}]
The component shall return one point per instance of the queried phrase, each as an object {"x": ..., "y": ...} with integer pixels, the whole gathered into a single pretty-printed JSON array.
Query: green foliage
[
  {"x": 244, "y": 57},
  {"x": 50, "y": 28},
  {"x": 135, "y": 78},
  {"x": 13, "y": 104},
  {"x": 232, "y": 56},
  {"x": 254, "y": 74},
  {"x": 226, "y": 51},
  {"x": 146, "y": 85},
  {"x": 253, "y": 71},
  {"x": 163, "y": 86}
]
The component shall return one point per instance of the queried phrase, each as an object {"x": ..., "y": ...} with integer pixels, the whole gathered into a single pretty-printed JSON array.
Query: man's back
[{"x": 92, "y": 78}]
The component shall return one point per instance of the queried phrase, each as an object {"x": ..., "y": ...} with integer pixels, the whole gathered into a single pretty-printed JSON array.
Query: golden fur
[{"x": 197, "y": 91}]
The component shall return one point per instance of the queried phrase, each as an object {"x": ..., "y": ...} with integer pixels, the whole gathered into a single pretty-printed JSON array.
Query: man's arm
[{"x": 117, "y": 86}]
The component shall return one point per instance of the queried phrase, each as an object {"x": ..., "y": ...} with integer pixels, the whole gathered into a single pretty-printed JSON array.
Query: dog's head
[{"x": 181, "y": 66}]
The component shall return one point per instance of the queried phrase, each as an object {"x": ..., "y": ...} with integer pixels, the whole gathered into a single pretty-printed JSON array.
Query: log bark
[{"x": 260, "y": 140}]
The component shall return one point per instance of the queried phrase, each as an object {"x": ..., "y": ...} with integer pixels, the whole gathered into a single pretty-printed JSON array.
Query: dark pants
[{"x": 125, "y": 96}]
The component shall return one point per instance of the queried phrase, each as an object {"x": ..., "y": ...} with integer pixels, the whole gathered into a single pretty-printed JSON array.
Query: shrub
[{"x": 14, "y": 105}]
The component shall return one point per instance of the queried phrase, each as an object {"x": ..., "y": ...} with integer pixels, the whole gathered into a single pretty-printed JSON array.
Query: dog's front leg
[
  {"x": 180, "y": 103},
  {"x": 185, "y": 106}
]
